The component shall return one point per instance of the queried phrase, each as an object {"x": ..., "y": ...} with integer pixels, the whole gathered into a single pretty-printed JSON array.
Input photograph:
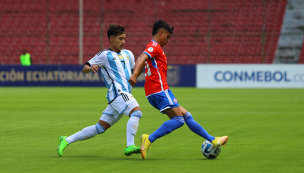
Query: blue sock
[
  {"x": 197, "y": 128},
  {"x": 167, "y": 127}
]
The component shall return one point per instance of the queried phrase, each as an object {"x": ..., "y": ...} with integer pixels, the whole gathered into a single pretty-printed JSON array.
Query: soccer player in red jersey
[{"x": 158, "y": 93}]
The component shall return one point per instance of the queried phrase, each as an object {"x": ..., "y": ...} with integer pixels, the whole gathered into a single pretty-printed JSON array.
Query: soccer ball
[{"x": 209, "y": 150}]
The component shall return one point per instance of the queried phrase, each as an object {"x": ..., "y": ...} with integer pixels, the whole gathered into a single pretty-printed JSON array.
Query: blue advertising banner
[
  {"x": 181, "y": 75},
  {"x": 72, "y": 75}
]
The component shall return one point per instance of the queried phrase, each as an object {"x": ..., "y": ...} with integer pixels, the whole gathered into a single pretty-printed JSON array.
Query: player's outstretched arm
[
  {"x": 138, "y": 68},
  {"x": 87, "y": 69}
]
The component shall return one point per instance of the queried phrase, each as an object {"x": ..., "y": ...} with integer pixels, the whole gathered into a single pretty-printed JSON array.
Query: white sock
[
  {"x": 85, "y": 133},
  {"x": 132, "y": 126}
]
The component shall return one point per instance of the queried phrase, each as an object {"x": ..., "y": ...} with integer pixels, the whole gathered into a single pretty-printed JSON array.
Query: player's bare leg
[{"x": 172, "y": 112}]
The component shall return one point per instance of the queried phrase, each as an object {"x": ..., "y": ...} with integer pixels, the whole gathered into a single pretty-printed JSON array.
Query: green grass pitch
[{"x": 265, "y": 128}]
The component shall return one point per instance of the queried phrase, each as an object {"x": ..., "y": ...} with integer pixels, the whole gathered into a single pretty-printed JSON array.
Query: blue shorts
[{"x": 163, "y": 100}]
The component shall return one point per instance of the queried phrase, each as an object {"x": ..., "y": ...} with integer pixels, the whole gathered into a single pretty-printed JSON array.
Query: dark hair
[
  {"x": 115, "y": 30},
  {"x": 162, "y": 24}
]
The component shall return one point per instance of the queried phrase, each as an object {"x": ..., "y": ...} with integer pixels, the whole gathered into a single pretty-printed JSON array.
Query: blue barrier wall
[{"x": 72, "y": 75}]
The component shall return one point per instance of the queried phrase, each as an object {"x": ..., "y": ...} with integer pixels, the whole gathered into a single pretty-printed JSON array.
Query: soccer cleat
[
  {"x": 62, "y": 145},
  {"x": 131, "y": 150},
  {"x": 218, "y": 141},
  {"x": 145, "y": 145}
]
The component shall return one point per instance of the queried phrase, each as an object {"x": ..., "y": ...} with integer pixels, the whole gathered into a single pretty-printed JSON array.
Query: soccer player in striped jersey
[
  {"x": 158, "y": 93},
  {"x": 116, "y": 66}
]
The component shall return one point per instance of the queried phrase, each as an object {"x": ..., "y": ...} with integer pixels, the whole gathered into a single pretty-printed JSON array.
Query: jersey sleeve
[
  {"x": 152, "y": 51},
  {"x": 98, "y": 59},
  {"x": 132, "y": 60}
]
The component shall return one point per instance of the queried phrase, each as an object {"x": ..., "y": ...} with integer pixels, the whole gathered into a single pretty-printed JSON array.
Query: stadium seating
[
  {"x": 23, "y": 26},
  {"x": 205, "y": 31}
]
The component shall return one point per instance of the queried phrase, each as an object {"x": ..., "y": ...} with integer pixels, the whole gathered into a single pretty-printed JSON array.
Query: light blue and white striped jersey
[{"x": 116, "y": 69}]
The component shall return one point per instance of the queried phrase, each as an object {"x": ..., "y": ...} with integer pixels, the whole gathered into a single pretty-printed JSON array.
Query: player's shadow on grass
[
  {"x": 130, "y": 158},
  {"x": 101, "y": 157},
  {"x": 205, "y": 159}
]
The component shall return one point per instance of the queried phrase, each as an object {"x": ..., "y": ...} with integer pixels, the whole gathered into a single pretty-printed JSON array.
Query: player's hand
[
  {"x": 132, "y": 80},
  {"x": 95, "y": 68}
]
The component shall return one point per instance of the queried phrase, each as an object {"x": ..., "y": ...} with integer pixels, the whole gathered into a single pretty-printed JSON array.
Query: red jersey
[{"x": 155, "y": 69}]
